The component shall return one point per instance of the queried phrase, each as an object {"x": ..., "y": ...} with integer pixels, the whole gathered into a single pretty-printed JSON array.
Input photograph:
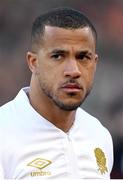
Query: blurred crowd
[{"x": 106, "y": 100}]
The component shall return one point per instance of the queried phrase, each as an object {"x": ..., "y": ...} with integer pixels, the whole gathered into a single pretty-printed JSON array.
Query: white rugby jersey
[{"x": 33, "y": 148}]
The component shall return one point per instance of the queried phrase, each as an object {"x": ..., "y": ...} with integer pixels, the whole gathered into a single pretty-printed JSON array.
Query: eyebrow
[{"x": 62, "y": 51}]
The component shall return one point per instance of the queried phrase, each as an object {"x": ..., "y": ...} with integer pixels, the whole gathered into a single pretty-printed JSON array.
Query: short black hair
[{"x": 67, "y": 18}]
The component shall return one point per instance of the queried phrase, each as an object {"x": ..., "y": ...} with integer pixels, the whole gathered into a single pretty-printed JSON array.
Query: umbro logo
[{"x": 40, "y": 164}]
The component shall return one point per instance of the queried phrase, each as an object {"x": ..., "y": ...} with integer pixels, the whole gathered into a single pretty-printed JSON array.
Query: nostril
[{"x": 73, "y": 74}]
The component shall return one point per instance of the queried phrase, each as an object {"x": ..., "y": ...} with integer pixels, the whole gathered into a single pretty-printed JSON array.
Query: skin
[{"x": 63, "y": 69}]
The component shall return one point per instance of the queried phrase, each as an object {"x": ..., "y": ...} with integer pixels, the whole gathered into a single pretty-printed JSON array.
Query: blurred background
[{"x": 106, "y": 100}]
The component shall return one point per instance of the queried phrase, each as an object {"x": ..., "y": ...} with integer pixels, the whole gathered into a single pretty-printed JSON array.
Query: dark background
[{"x": 106, "y": 100}]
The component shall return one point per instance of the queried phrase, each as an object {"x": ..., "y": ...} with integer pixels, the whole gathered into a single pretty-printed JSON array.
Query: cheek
[
  {"x": 89, "y": 75},
  {"x": 49, "y": 76}
]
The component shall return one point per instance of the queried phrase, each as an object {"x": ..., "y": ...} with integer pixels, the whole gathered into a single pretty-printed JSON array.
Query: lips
[{"x": 71, "y": 87}]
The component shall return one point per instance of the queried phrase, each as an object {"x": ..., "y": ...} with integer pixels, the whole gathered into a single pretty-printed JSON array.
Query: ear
[
  {"x": 32, "y": 61},
  {"x": 96, "y": 58}
]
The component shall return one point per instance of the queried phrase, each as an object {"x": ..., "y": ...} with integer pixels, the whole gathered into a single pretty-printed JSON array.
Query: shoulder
[
  {"x": 12, "y": 108},
  {"x": 93, "y": 128},
  {"x": 6, "y": 110},
  {"x": 7, "y": 119},
  {"x": 12, "y": 120},
  {"x": 90, "y": 122},
  {"x": 9, "y": 112}
]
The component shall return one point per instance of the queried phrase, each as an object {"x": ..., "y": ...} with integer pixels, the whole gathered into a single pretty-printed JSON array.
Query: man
[{"x": 44, "y": 134}]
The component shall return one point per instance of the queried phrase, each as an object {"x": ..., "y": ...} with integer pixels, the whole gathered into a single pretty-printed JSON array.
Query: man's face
[{"x": 66, "y": 63}]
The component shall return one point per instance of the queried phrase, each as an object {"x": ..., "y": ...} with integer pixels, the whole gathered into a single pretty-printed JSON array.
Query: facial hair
[{"x": 59, "y": 103}]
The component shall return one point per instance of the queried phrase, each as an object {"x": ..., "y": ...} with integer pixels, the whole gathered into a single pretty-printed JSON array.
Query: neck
[{"x": 46, "y": 108}]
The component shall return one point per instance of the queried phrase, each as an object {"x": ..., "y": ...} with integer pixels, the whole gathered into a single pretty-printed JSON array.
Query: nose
[{"x": 72, "y": 69}]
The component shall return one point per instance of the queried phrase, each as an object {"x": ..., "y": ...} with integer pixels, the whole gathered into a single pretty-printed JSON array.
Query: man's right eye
[{"x": 57, "y": 56}]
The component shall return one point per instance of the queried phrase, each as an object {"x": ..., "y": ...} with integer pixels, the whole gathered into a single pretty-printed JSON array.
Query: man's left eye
[{"x": 83, "y": 57}]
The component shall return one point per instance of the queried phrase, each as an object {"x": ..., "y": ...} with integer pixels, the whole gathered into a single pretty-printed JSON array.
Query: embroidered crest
[{"x": 101, "y": 160}]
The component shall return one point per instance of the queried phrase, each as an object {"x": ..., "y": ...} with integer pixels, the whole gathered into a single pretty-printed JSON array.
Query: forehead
[{"x": 55, "y": 36}]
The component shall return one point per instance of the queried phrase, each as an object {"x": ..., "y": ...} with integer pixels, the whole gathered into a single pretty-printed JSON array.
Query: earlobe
[{"x": 32, "y": 61}]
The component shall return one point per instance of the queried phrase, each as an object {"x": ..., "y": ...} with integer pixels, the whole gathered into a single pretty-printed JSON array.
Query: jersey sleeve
[
  {"x": 109, "y": 150},
  {"x": 1, "y": 173}
]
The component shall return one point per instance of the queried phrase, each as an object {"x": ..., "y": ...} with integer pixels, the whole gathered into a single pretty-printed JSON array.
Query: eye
[
  {"x": 57, "y": 56},
  {"x": 83, "y": 56}
]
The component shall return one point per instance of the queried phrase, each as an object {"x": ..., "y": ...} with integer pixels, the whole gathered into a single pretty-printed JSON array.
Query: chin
[
  {"x": 68, "y": 106},
  {"x": 69, "y": 103}
]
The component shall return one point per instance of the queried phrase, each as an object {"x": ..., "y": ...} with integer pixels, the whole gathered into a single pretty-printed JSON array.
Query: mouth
[{"x": 72, "y": 88}]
